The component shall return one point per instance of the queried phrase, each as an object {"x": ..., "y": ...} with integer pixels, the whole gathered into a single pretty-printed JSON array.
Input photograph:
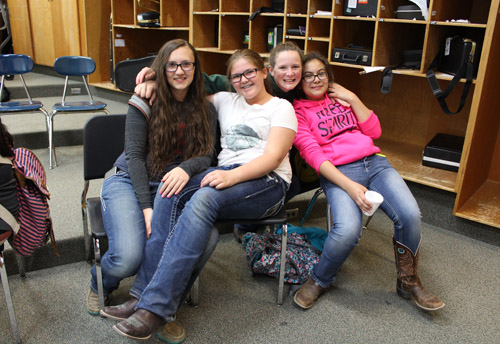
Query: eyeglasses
[
  {"x": 185, "y": 66},
  {"x": 309, "y": 77},
  {"x": 249, "y": 74}
]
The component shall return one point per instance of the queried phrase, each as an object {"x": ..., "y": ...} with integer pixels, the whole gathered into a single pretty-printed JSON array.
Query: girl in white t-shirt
[{"x": 253, "y": 174}]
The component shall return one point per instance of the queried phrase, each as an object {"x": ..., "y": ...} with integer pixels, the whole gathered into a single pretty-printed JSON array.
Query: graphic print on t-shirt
[
  {"x": 335, "y": 119},
  {"x": 241, "y": 136}
]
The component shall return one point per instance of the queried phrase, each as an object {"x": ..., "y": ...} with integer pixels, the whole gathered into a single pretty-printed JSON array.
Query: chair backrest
[
  {"x": 103, "y": 142},
  {"x": 74, "y": 65},
  {"x": 11, "y": 64}
]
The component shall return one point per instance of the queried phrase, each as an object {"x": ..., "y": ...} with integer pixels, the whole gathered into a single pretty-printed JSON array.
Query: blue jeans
[
  {"x": 124, "y": 224},
  {"x": 165, "y": 215},
  {"x": 377, "y": 174},
  {"x": 190, "y": 235}
]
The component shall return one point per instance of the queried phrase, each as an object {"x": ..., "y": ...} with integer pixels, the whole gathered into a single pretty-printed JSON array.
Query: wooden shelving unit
[{"x": 409, "y": 114}]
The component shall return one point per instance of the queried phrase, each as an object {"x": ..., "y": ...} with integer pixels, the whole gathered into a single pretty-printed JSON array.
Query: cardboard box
[{"x": 444, "y": 151}]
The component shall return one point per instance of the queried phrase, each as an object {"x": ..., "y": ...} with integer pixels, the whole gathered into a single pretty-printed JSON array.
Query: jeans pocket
[{"x": 273, "y": 209}]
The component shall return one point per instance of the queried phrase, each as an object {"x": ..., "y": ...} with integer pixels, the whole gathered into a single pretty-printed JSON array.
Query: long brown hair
[
  {"x": 252, "y": 57},
  {"x": 168, "y": 114}
]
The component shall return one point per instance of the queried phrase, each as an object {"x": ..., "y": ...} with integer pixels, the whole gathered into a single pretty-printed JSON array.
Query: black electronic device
[
  {"x": 409, "y": 12},
  {"x": 444, "y": 151},
  {"x": 148, "y": 19},
  {"x": 362, "y": 8}
]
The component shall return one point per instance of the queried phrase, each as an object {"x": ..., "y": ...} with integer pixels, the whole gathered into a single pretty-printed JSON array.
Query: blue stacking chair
[
  {"x": 16, "y": 64},
  {"x": 73, "y": 66}
]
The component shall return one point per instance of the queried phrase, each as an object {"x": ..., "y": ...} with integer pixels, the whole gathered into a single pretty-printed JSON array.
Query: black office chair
[{"x": 103, "y": 140}]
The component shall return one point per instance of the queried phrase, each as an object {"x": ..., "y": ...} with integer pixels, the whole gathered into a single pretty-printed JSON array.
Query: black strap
[
  {"x": 386, "y": 83},
  {"x": 262, "y": 10},
  {"x": 466, "y": 70}
]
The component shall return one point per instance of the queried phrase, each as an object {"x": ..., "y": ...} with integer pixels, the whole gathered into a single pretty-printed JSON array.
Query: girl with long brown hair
[{"x": 165, "y": 145}]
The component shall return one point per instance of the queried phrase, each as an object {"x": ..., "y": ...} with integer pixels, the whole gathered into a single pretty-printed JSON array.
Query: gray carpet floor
[
  {"x": 236, "y": 307},
  {"x": 459, "y": 262}
]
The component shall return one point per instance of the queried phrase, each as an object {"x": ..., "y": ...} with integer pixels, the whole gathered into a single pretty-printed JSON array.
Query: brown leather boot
[
  {"x": 307, "y": 295},
  {"x": 139, "y": 325},
  {"x": 408, "y": 284},
  {"x": 120, "y": 312}
]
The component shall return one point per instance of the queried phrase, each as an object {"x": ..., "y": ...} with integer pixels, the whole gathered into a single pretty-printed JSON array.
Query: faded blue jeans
[
  {"x": 167, "y": 211},
  {"x": 191, "y": 232},
  {"x": 377, "y": 174},
  {"x": 124, "y": 224}
]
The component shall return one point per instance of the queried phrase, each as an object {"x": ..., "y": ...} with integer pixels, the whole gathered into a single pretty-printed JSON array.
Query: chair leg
[
  {"x": 100, "y": 288},
  {"x": 50, "y": 131},
  {"x": 284, "y": 238},
  {"x": 368, "y": 219},
  {"x": 194, "y": 293},
  {"x": 310, "y": 206},
  {"x": 8, "y": 301},
  {"x": 87, "y": 240}
]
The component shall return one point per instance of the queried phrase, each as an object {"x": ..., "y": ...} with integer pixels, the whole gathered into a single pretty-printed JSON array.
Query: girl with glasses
[
  {"x": 338, "y": 143},
  {"x": 253, "y": 174},
  {"x": 167, "y": 143}
]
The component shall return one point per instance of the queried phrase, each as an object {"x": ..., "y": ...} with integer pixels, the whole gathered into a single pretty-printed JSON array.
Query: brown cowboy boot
[
  {"x": 408, "y": 284},
  {"x": 139, "y": 325},
  {"x": 120, "y": 312},
  {"x": 307, "y": 295}
]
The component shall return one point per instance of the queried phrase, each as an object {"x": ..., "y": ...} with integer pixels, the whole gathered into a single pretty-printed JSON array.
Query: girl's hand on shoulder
[
  {"x": 147, "y": 73},
  {"x": 341, "y": 94},
  {"x": 357, "y": 192},
  {"x": 219, "y": 179},
  {"x": 173, "y": 182},
  {"x": 147, "y": 90}
]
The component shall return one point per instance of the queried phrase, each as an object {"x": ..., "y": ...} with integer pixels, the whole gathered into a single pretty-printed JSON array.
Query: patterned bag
[
  {"x": 263, "y": 254},
  {"x": 34, "y": 214}
]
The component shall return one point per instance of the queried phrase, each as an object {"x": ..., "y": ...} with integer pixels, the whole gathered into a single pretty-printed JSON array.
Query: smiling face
[
  {"x": 287, "y": 70},
  {"x": 316, "y": 89},
  {"x": 252, "y": 88},
  {"x": 180, "y": 80}
]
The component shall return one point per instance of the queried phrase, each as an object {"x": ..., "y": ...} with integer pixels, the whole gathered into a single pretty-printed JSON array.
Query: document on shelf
[
  {"x": 367, "y": 70},
  {"x": 422, "y": 4}
]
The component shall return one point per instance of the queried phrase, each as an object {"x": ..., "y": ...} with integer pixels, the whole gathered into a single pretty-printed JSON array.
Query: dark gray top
[{"x": 133, "y": 160}]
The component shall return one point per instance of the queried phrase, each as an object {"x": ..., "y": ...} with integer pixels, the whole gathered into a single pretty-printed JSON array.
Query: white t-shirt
[{"x": 245, "y": 128}]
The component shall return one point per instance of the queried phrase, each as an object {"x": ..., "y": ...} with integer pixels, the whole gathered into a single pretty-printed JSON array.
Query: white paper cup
[{"x": 375, "y": 199}]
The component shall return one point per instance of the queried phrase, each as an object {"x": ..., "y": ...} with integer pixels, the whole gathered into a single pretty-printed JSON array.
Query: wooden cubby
[
  {"x": 392, "y": 40},
  {"x": 410, "y": 115},
  {"x": 232, "y": 31},
  {"x": 205, "y": 30}
]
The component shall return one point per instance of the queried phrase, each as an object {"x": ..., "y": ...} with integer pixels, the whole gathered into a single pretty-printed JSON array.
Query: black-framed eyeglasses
[
  {"x": 249, "y": 74},
  {"x": 309, "y": 77},
  {"x": 186, "y": 66}
]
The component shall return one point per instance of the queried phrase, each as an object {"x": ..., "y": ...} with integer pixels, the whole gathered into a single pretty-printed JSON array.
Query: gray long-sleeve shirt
[{"x": 133, "y": 160}]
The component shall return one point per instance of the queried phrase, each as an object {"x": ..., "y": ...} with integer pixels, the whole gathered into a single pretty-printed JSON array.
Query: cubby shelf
[{"x": 409, "y": 114}]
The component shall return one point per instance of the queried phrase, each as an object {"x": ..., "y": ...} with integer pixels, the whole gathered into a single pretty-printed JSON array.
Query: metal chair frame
[
  {"x": 72, "y": 66},
  {"x": 6, "y": 290}
]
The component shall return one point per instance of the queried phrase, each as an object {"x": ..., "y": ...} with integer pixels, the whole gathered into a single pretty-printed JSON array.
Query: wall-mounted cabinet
[{"x": 409, "y": 114}]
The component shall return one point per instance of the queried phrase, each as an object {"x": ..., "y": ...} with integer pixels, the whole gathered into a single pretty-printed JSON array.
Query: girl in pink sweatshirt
[{"x": 337, "y": 142}]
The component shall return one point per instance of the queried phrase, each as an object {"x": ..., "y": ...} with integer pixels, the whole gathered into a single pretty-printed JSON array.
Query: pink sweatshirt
[{"x": 329, "y": 131}]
